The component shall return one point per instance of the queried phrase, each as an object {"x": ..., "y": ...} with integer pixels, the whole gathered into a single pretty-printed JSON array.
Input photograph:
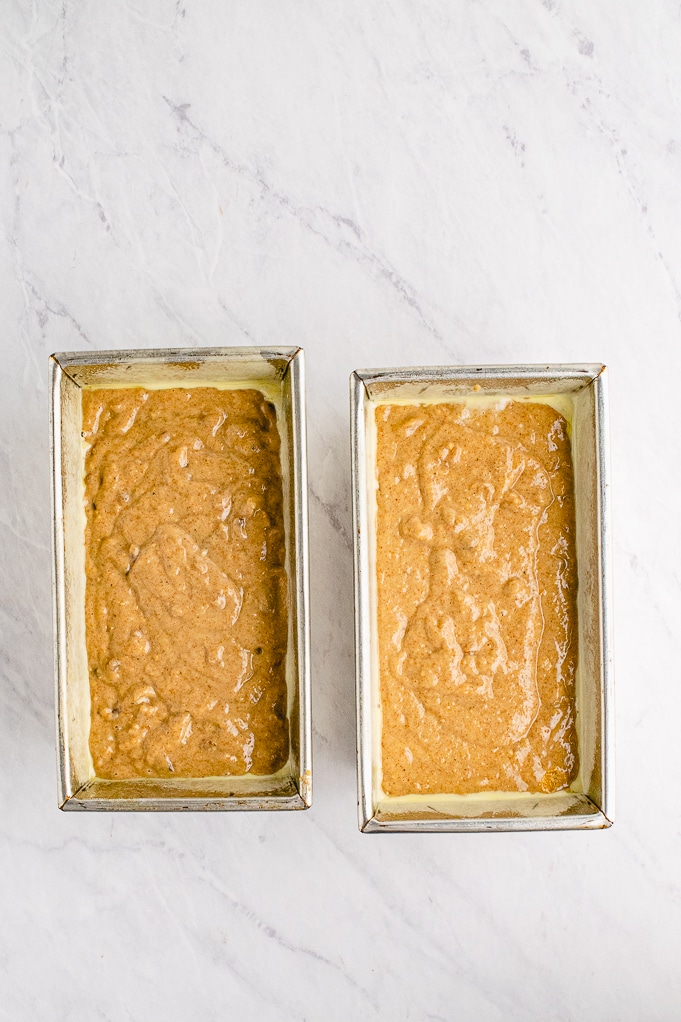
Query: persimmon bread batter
[
  {"x": 476, "y": 598},
  {"x": 186, "y": 591}
]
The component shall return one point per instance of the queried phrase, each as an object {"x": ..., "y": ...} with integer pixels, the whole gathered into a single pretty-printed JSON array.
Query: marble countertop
[{"x": 384, "y": 184}]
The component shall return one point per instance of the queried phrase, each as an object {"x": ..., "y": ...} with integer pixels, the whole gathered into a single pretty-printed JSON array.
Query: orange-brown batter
[
  {"x": 186, "y": 605},
  {"x": 476, "y": 575}
]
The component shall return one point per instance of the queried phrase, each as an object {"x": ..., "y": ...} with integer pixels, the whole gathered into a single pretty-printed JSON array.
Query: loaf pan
[{"x": 280, "y": 373}]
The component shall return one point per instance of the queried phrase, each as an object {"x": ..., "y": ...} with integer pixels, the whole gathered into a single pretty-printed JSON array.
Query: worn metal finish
[
  {"x": 589, "y": 804},
  {"x": 280, "y": 371}
]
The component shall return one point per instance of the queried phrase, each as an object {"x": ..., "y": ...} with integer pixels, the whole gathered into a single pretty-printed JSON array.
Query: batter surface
[
  {"x": 186, "y": 595},
  {"x": 476, "y": 584}
]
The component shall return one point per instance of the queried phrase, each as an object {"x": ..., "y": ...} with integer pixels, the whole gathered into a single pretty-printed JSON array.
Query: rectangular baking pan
[
  {"x": 281, "y": 372},
  {"x": 589, "y": 802}
]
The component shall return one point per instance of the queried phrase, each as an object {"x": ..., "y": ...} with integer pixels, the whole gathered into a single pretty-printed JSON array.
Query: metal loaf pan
[
  {"x": 280, "y": 372},
  {"x": 589, "y": 803}
]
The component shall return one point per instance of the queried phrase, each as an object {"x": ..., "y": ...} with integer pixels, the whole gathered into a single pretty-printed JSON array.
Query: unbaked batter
[
  {"x": 476, "y": 576},
  {"x": 186, "y": 605}
]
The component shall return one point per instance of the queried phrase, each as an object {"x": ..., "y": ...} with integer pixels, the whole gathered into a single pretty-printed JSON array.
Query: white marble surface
[{"x": 383, "y": 183}]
